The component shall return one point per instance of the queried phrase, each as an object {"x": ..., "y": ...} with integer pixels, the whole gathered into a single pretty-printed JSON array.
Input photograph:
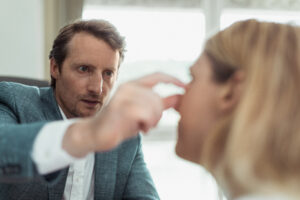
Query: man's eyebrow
[
  {"x": 112, "y": 68},
  {"x": 76, "y": 64}
]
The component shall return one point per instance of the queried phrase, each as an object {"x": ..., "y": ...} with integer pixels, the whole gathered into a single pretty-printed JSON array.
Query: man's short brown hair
[{"x": 101, "y": 29}]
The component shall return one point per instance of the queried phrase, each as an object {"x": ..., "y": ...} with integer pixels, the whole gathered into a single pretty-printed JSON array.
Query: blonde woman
[{"x": 240, "y": 115}]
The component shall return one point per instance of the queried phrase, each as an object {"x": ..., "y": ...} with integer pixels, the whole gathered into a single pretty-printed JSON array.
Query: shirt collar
[{"x": 62, "y": 113}]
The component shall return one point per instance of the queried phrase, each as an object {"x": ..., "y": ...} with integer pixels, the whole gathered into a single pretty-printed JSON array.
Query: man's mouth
[{"x": 91, "y": 102}]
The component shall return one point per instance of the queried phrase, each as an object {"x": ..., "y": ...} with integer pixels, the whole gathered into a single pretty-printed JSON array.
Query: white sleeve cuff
[{"x": 48, "y": 154}]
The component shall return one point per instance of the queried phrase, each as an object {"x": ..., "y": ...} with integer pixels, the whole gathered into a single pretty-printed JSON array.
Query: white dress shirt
[{"x": 49, "y": 156}]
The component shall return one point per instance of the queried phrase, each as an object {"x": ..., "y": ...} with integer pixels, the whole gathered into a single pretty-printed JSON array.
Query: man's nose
[{"x": 96, "y": 84}]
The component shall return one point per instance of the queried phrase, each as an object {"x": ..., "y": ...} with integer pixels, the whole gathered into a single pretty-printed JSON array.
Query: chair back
[{"x": 26, "y": 81}]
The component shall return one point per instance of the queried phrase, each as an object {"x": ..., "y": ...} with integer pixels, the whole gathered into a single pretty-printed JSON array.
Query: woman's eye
[{"x": 83, "y": 68}]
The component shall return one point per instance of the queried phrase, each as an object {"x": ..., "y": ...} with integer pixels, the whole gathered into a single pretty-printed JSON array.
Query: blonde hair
[{"x": 259, "y": 143}]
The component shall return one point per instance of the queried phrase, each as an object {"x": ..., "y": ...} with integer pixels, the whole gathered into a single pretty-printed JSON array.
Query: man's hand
[{"x": 133, "y": 108}]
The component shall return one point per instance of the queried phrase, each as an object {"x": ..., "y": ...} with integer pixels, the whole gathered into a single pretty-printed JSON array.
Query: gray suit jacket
[{"x": 24, "y": 110}]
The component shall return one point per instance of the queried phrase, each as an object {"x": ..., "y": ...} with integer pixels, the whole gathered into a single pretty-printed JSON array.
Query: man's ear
[
  {"x": 54, "y": 70},
  {"x": 231, "y": 91}
]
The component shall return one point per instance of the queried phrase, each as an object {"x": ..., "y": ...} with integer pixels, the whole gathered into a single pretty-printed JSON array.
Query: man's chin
[{"x": 88, "y": 112}]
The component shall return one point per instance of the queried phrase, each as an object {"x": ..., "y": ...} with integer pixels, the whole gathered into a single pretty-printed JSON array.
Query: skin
[
  {"x": 203, "y": 105},
  {"x": 87, "y": 76},
  {"x": 199, "y": 110}
]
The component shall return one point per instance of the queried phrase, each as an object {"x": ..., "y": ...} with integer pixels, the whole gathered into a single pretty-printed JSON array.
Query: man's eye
[
  {"x": 83, "y": 68},
  {"x": 108, "y": 73}
]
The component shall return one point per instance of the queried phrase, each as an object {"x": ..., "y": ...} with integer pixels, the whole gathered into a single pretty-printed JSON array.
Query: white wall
[{"x": 21, "y": 38}]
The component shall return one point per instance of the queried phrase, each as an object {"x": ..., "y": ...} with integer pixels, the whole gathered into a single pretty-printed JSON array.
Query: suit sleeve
[
  {"x": 16, "y": 142},
  {"x": 140, "y": 184},
  {"x": 50, "y": 156}
]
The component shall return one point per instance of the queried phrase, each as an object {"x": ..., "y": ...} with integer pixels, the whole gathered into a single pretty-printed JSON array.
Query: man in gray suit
[{"x": 43, "y": 156}]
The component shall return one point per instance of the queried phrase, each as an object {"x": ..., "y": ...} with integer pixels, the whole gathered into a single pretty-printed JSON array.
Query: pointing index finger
[{"x": 153, "y": 79}]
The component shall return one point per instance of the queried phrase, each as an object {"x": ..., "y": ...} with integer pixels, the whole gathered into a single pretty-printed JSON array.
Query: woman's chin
[{"x": 182, "y": 153}]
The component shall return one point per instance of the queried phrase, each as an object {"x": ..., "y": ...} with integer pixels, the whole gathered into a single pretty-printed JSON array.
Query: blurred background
[{"x": 162, "y": 35}]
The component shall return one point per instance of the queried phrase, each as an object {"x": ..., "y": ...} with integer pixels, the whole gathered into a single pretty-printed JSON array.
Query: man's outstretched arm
[
  {"x": 133, "y": 108},
  {"x": 16, "y": 141}
]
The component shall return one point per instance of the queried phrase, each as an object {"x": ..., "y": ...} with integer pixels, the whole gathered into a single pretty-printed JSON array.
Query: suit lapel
[
  {"x": 56, "y": 190},
  {"x": 105, "y": 174},
  {"x": 49, "y": 105}
]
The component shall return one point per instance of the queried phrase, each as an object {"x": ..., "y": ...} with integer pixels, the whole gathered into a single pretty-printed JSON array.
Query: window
[{"x": 230, "y": 16}]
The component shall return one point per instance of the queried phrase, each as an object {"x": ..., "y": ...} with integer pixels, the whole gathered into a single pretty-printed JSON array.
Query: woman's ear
[
  {"x": 54, "y": 70},
  {"x": 230, "y": 92}
]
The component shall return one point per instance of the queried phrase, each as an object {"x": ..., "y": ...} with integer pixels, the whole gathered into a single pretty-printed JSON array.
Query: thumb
[{"x": 171, "y": 101}]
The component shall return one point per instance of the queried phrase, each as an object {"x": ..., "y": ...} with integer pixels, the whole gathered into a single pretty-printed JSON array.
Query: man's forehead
[
  {"x": 83, "y": 45},
  {"x": 84, "y": 37},
  {"x": 84, "y": 40}
]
